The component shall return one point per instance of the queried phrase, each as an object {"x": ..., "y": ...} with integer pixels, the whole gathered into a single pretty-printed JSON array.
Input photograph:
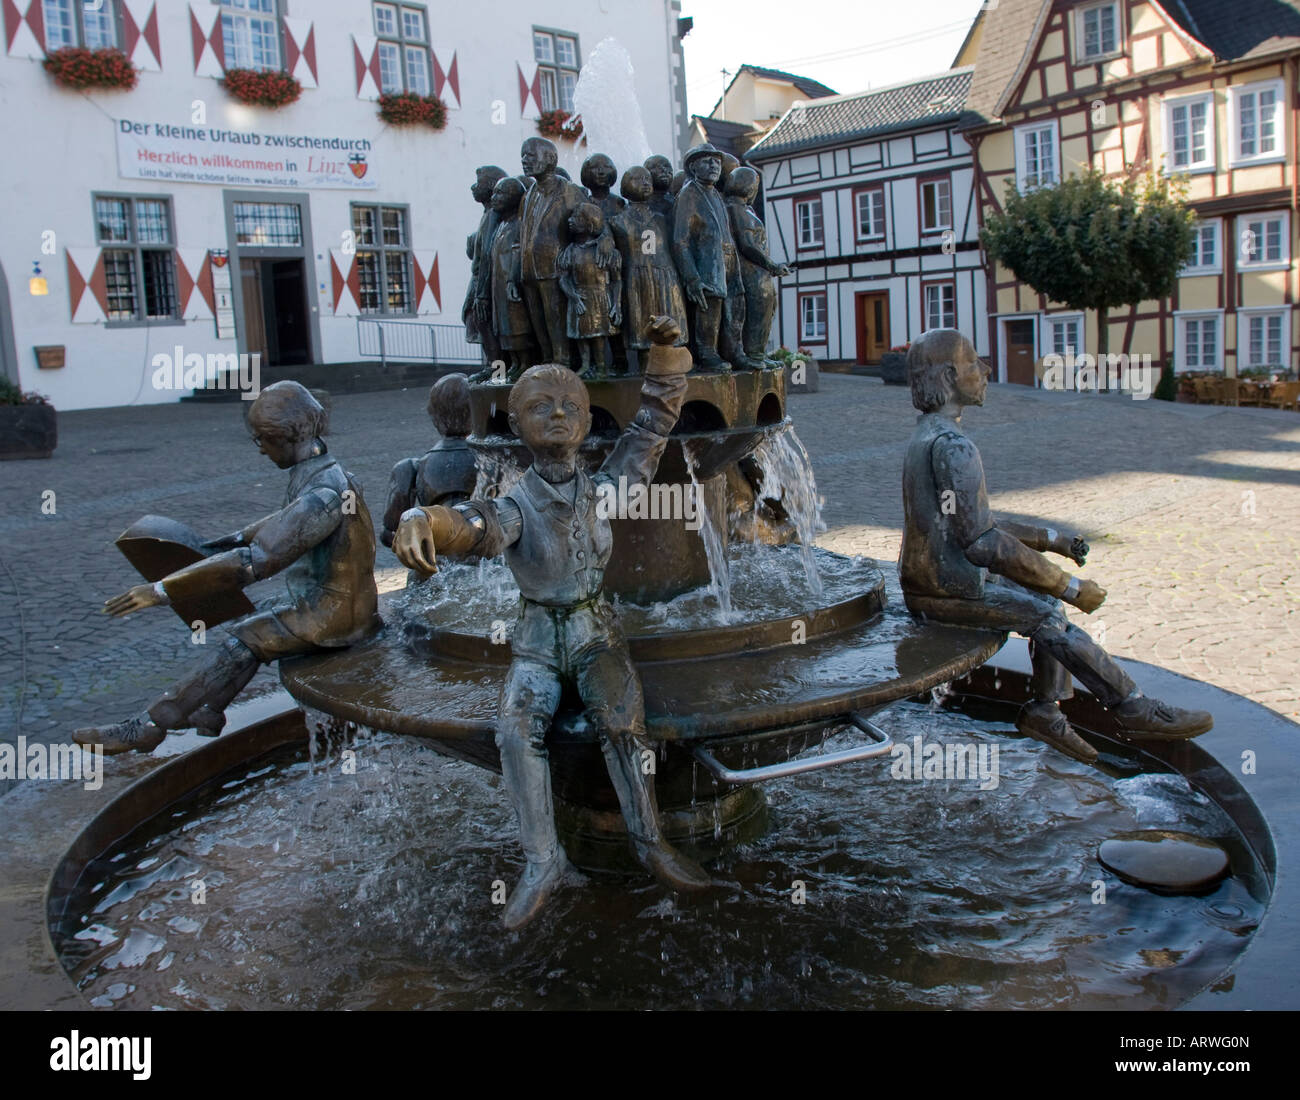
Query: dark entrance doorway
[
  {"x": 873, "y": 325},
  {"x": 1020, "y": 343},
  {"x": 275, "y": 311}
]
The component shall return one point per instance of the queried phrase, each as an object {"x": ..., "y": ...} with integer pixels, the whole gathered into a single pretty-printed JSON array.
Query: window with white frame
[
  {"x": 940, "y": 305},
  {"x": 1206, "y": 248},
  {"x": 871, "y": 213},
  {"x": 808, "y": 217},
  {"x": 404, "y": 63},
  {"x": 139, "y": 262},
  {"x": 78, "y": 23},
  {"x": 556, "y": 54},
  {"x": 1063, "y": 336},
  {"x": 1263, "y": 240},
  {"x": 1257, "y": 122},
  {"x": 383, "y": 259},
  {"x": 1098, "y": 30},
  {"x": 250, "y": 33},
  {"x": 1263, "y": 339},
  {"x": 812, "y": 317},
  {"x": 1189, "y": 133},
  {"x": 1036, "y": 156},
  {"x": 1198, "y": 344},
  {"x": 936, "y": 205}
]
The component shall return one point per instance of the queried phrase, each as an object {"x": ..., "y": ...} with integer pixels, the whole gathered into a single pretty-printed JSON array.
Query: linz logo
[{"x": 357, "y": 162}]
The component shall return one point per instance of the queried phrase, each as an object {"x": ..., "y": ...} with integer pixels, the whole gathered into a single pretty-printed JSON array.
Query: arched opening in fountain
[
  {"x": 700, "y": 416},
  {"x": 769, "y": 410}
]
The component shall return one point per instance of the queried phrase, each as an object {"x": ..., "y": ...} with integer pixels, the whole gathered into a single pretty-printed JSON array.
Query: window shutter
[
  {"x": 87, "y": 286},
  {"x": 194, "y": 284},
  {"x": 24, "y": 29},
  {"x": 446, "y": 78},
  {"x": 365, "y": 55},
  {"x": 428, "y": 292},
  {"x": 530, "y": 89},
  {"x": 346, "y": 282},
  {"x": 140, "y": 34},
  {"x": 300, "y": 50},
  {"x": 205, "y": 36}
]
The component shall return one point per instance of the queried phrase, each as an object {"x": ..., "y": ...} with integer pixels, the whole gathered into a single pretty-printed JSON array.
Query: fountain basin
[{"x": 795, "y": 963}]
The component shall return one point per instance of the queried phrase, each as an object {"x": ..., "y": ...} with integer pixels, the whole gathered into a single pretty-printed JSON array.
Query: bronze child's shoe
[
  {"x": 534, "y": 890},
  {"x": 1044, "y": 722},
  {"x": 672, "y": 868},
  {"x": 138, "y": 733},
  {"x": 1145, "y": 719}
]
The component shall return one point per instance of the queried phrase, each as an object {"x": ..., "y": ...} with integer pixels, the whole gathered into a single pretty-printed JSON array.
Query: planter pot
[
  {"x": 28, "y": 431},
  {"x": 811, "y": 376},
  {"x": 893, "y": 368}
]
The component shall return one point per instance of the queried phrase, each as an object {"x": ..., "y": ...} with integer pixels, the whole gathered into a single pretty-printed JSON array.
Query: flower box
[
  {"x": 29, "y": 426},
  {"x": 893, "y": 368},
  {"x": 79, "y": 68},
  {"x": 270, "y": 88},
  {"x": 409, "y": 109},
  {"x": 557, "y": 124}
]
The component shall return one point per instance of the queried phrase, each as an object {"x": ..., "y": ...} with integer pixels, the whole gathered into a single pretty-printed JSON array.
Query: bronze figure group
[{"x": 576, "y": 275}]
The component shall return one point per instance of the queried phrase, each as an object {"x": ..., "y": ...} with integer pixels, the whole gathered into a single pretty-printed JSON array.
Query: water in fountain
[
  {"x": 715, "y": 547},
  {"x": 605, "y": 97},
  {"x": 788, "y": 478},
  {"x": 331, "y": 889}
]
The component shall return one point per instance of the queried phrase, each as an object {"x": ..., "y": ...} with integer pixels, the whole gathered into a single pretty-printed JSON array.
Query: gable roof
[
  {"x": 813, "y": 89},
  {"x": 1232, "y": 30},
  {"x": 722, "y": 134},
  {"x": 841, "y": 118},
  {"x": 1242, "y": 28}
]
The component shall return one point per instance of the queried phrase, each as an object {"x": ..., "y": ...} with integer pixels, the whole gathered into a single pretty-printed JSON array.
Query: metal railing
[{"x": 414, "y": 341}]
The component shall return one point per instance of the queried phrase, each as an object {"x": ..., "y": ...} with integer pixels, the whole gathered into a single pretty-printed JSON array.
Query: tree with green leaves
[{"x": 1095, "y": 244}]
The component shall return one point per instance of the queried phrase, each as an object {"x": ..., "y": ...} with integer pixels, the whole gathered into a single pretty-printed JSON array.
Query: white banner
[{"x": 208, "y": 154}]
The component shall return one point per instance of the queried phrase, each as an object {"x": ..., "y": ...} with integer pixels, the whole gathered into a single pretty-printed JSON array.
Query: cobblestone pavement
[{"x": 1193, "y": 513}]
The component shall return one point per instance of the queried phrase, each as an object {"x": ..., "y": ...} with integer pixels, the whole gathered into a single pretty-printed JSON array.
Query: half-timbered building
[
  {"x": 870, "y": 199},
  {"x": 1199, "y": 88}
]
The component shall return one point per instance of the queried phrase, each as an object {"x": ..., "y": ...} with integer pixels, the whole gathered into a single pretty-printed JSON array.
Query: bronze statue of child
[
  {"x": 322, "y": 539},
  {"x": 756, "y": 266},
  {"x": 444, "y": 474},
  {"x": 598, "y": 176},
  {"x": 557, "y": 543},
  {"x": 661, "y": 174},
  {"x": 510, "y": 319},
  {"x": 651, "y": 286},
  {"x": 960, "y": 565},
  {"x": 593, "y": 289}
]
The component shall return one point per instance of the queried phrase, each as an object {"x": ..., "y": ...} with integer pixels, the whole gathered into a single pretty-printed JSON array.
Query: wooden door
[
  {"x": 250, "y": 279},
  {"x": 1020, "y": 351},
  {"x": 873, "y": 325}
]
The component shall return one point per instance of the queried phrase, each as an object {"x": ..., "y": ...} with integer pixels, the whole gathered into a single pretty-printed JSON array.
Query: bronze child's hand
[
  {"x": 1078, "y": 549},
  {"x": 1090, "y": 597},
  {"x": 134, "y": 599},
  {"x": 414, "y": 543}
]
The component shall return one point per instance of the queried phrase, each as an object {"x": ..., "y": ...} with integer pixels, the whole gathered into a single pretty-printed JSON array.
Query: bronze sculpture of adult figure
[
  {"x": 323, "y": 541},
  {"x": 478, "y": 328},
  {"x": 960, "y": 565},
  {"x": 661, "y": 176},
  {"x": 543, "y": 234},
  {"x": 705, "y": 253},
  {"x": 756, "y": 267},
  {"x": 446, "y": 472},
  {"x": 557, "y": 543}
]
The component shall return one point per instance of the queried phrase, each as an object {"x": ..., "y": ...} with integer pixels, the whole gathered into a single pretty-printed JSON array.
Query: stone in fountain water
[
  {"x": 1165, "y": 861},
  {"x": 605, "y": 97}
]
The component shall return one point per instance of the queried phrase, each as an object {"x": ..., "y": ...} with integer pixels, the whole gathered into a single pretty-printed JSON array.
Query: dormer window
[{"x": 1098, "y": 31}]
